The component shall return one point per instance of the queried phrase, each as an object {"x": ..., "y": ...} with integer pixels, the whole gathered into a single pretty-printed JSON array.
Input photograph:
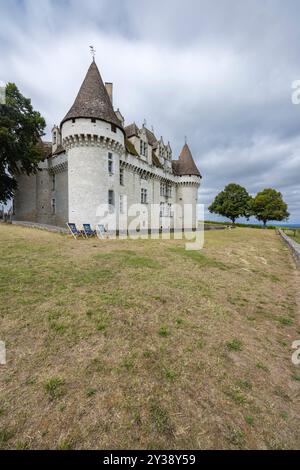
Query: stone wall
[
  {"x": 294, "y": 246},
  {"x": 49, "y": 228},
  {"x": 77, "y": 182},
  {"x": 25, "y": 198}
]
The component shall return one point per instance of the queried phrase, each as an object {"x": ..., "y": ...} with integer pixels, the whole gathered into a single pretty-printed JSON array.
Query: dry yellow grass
[{"x": 139, "y": 344}]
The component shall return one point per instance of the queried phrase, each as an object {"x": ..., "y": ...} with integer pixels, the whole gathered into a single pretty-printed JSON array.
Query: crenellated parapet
[
  {"x": 58, "y": 167},
  {"x": 58, "y": 163},
  {"x": 93, "y": 140},
  {"x": 145, "y": 170},
  {"x": 192, "y": 180}
]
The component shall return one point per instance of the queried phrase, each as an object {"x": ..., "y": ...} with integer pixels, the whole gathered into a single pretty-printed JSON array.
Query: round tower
[
  {"x": 189, "y": 180},
  {"x": 94, "y": 140}
]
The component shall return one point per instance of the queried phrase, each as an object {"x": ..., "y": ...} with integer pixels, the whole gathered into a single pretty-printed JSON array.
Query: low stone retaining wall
[
  {"x": 294, "y": 246},
  {"x": 53, "y": 228},
  {"x": 216, "y": 227},
  {"x": 49, "y": 228}
]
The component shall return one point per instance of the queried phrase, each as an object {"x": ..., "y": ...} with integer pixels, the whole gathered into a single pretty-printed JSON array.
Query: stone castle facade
[{"x": 94, "y": 159}]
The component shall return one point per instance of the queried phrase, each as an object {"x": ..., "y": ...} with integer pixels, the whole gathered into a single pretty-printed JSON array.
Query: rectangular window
[
  {"x": 165, "y": 189},
  {"x": 143, "y": 148},
  {"x": 144, "y": 196},
  {"x": 121, "y": 206},
  {"x": 110, "y": 163},
  {"x": 53, "y": 182},
  {"x": 93, "y": 120},
  {"x": 113, "y": 128},
  {"x": 53, "y": 206},
  {"x": 54, "y": 138},
  {"x": 111, "y": 200},
  {"x": 165, "y": 209},
  {"x": 122, "y": 176}
]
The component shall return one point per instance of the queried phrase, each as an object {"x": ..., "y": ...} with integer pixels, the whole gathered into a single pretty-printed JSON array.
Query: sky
[{"x": 219, "y": 72}]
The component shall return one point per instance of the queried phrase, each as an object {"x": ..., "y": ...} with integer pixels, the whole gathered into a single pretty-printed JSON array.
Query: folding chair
[
  {"x": 89, "y": 232},
  {"x": 74, "y": 230},
  {"x": 101, "y": 231}
]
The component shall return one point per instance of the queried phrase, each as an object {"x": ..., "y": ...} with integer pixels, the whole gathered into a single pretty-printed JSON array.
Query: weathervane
[{"x": 93, "y": 52}]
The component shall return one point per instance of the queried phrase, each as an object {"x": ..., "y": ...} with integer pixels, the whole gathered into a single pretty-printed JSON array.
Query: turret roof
[
  {"x": 93, "y": 100},
  {"x": 185, "y": 164}
]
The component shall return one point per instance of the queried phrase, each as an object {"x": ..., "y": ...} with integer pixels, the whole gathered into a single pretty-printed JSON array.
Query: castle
[{"x": 94, "y": 159}]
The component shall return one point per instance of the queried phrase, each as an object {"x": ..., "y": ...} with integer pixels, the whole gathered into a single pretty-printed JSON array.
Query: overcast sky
[{"x": 217, "y": 71}]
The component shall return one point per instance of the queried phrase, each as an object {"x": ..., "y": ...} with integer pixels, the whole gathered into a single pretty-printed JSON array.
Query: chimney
[{"x": 109, "y": 89}]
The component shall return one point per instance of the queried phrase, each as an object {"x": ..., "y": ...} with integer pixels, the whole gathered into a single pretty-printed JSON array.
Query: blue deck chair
[
  {"x": 74, "y": 231},
  {"x": 89, "y": 232},
  {"x": 101, "y": 231}
]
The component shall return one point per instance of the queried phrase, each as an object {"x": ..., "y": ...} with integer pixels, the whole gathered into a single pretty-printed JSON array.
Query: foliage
[
  {"x": 212, "y": 222},
  {"x": 233, "y": 202},
  {"x": 21, "y": 148},
  {"x": 269, "y": 205}
]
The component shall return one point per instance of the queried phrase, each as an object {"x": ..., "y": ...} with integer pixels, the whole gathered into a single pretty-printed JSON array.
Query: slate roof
[
  {"x": 151, "y": 137},
  {"x": 130, "y": 147},
  {"x": 60, "y": 149},
  {"x": 45, "y": 147},
  {"x": 131, "y": 130},
  {"x": 185, "y": 164},
  {"x": 155, "y": 161},
  {"x": 92, "y": 100}
]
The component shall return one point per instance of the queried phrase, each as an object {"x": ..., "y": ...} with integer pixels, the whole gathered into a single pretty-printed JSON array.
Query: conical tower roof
[
  {"x": 92, "y": 100},
  {"x": 185, "y": 164}
]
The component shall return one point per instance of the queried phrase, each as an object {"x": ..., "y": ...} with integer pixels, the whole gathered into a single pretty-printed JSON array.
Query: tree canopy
[
  {"x": 233, "y": 202},
  {"x": 269, "y": 205},
  {"x": 21, "y": 148}
]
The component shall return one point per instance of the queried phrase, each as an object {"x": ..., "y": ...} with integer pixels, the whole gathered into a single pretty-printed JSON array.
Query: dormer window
[{"x": 143, "y": 148}]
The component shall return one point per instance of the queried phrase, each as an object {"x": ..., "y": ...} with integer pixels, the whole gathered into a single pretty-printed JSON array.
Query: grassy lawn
[{"x": 140, "y": 344}]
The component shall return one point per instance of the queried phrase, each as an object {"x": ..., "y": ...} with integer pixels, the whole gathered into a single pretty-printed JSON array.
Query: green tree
[
  {"x": 21, "y": 148},
  {"x": 233, "y": 202},
  {"x": 269, "y": 205}
]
